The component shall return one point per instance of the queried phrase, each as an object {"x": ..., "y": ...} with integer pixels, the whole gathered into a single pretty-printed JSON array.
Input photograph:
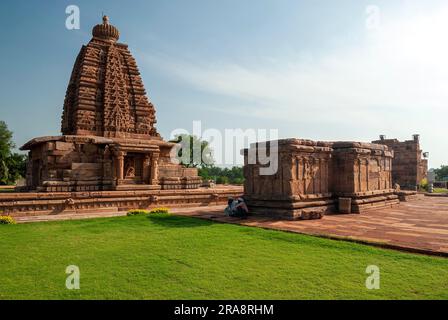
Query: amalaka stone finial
[{"x": 106, "y": 31}]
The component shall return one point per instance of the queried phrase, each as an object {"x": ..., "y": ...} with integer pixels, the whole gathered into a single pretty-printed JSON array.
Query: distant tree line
[
  {"x": 12, "y": 165},
  {"x": 441, "y": 173},
  {"x": 232, "y": 175},
  {"x": 196, "y": 153}
]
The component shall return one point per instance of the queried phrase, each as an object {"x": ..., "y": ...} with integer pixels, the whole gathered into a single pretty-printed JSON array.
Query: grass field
[
  {"x": 440, "y": 190},
  {"x": 168, "y": 257}
]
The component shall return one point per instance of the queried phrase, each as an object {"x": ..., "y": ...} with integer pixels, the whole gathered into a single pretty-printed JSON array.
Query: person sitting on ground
[
  {"x": 241, "y": 208},
  {"x": 236, "y": 208},
  {"x": 229, "y": 209}
]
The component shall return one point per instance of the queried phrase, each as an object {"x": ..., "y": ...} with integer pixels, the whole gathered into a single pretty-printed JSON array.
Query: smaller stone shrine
[
  {"x": 316, "y": 178},
  {"x": 362, "y": 176},
  {"x": 410, "y": 163},
  {"x": 300, "y": 187}
]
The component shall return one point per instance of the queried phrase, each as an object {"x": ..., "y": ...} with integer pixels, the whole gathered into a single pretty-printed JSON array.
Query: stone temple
[
  {"x": 410, "y": 164},
  {"x": 110, "y": 157},
  {"x": 109, "y": 140},
  {"x": 316, "y": 178}
]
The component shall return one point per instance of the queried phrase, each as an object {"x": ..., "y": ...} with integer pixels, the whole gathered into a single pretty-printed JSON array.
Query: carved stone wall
[
  {"x": 109, "y": 137},
  {"x": 28, "y": 204},
  {"x": 363, "y": 173},
  {"x": 105, "y": 95},
  {"x": 313, "y": 176},
  {"x": 409, "y": 167},
  {"x": 299, "y": 189},
  {"x": 70, "y": 163}
]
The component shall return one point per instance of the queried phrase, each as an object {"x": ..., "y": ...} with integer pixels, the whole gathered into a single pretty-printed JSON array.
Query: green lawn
[
  {"x": 440, "y": 190},
  {"x": 168, "y": 257}
]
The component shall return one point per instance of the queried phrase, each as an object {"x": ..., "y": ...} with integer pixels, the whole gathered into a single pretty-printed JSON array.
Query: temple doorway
[{"x": 36, "y": 173}]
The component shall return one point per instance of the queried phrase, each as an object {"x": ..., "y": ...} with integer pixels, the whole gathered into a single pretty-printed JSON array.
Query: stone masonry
[
  {"x": 110, "y": 157},
  {"x": 315, "y": 178},
  {"x": 109, "y": 139},
  {"x": 410, "y": 164},
  {"x": 299, "y": 189},
  {"x": 361, "y": 176}
]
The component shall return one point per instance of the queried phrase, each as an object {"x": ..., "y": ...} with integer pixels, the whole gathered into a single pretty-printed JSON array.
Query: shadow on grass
[{"x": 170, "y": 221}]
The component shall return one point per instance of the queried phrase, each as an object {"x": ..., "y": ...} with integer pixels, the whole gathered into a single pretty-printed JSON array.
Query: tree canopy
[
  {"x": 232, "y": 175},
  {"x": 196, "y": 153},
  {"x": 12, "y": 165},
  {"x": 441, "y": 173},
  {"x": 192, "y": 151}
]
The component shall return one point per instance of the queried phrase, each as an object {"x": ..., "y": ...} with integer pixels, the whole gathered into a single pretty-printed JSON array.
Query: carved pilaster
[
  {"x": 154, "y": 169},
  {"x": 120, "y": 166}
]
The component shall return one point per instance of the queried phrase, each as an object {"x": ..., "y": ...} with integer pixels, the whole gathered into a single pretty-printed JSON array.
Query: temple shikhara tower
[{"x": 109, "y": 140}]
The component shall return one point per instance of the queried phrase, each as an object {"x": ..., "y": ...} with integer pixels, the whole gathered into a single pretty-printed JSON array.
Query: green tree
[
  {"x": 12, "y": 165},
  {"x": 441, "y": 173},
  {"x": 223, "y": 175},
  {"x": 193, "y": 152}
]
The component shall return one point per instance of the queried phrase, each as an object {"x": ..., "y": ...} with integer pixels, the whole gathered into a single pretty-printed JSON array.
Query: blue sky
[{"x": 311, "y": 69}]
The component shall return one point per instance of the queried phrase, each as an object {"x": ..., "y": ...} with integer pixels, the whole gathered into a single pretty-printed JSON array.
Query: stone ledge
[{"x": 79, "y": 202}]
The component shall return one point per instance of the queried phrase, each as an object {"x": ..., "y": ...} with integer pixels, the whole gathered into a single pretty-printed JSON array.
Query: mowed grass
[{"x": 169, "y": 257}]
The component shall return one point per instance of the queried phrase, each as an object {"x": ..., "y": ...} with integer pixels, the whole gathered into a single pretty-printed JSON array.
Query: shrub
[
  {"x": 135, "y": 212},
  {"x": 238, "y": 181},
  {"x": 424, "y": 185},
  {"x": 160, "y": 210},
  {"x": 7, "y": 220},
  {"x": 222, "y": 180}
]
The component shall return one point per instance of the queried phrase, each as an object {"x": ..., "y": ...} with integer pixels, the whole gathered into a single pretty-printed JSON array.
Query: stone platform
[
  {"x": 407, "y": 195},
  {"x": 45, "y": 203}
]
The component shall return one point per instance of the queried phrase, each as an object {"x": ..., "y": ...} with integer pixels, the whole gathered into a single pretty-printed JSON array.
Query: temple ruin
[
  {"x": 315, "y": 178},
  {"x": 410, "y": 163},
  {"x": 110, "y": 156},
  {"x": 109, "y": 140}
]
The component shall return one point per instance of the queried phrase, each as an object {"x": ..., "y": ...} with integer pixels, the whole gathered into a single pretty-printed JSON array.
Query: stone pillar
[
  {"x": 120, "y": 166},
  {"x": 154, "y": 169},
  {"x": 367, "y": 173},
  {"x": 146, "y": 169}
]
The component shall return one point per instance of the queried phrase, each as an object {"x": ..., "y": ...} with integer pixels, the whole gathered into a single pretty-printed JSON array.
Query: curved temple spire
[{"x": 105, "y": 95}]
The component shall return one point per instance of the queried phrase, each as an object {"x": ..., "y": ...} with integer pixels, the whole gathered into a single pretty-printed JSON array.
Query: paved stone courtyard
[{"x": 419, "y": 226}]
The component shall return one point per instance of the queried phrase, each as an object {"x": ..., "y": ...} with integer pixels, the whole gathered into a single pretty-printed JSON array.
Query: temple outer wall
[
  {"x": 317, "y": 178},
  {"x": 409, "y": 168},
  {"x": 299, "y": 189},
  {"x": 362, "y": 172},
  {"x": 87, "y": 163}
]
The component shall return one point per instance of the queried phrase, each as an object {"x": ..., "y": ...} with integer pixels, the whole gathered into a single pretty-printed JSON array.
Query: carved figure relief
[{"x": 129, "y": 168}]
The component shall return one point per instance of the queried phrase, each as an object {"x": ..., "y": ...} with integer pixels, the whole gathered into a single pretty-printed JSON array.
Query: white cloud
[{"x": 398, "y": 75}]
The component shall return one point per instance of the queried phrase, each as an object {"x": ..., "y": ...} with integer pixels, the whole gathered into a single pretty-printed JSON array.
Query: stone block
[
  {"x": 64, "y": 146},
  {"x": 345, "y": 205}
]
